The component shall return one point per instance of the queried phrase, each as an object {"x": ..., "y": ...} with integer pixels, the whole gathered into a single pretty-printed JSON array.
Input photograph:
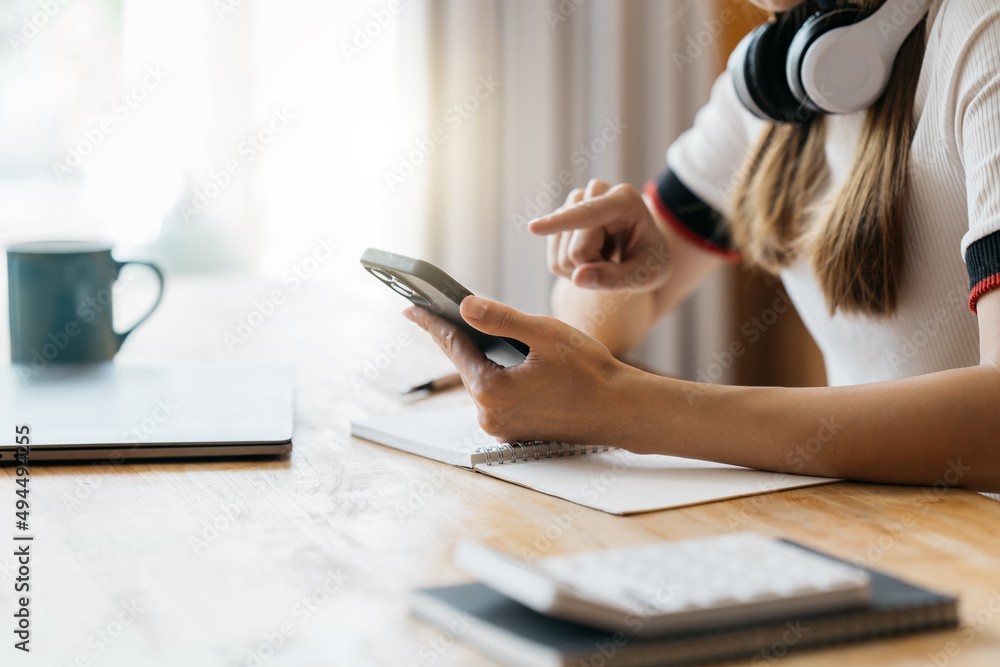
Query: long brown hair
[{"x": 857, "y": 245}]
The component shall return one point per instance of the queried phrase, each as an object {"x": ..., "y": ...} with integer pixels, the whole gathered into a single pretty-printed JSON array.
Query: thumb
[{"x": 499, "y": 319}]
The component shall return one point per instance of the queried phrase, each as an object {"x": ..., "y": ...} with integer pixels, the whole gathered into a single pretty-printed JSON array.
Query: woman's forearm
[{"x": 938, "y": 428}]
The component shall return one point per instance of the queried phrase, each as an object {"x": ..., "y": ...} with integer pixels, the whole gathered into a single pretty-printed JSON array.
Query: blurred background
[{"x": 233, "y": 136}]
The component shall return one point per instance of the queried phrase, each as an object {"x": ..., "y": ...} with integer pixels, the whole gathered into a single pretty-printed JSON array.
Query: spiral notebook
[{"x": 612, "y": 480}]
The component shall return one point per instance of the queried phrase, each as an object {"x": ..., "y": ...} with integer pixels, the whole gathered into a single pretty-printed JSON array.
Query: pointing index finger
[{"x": 607, "y": 209}]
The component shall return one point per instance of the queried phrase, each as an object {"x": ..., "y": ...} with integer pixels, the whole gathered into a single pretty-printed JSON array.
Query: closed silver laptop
[{"x": 114, "y": 412}]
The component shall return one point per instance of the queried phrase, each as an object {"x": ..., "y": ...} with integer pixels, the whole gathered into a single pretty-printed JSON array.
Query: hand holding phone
[{"x": 427, "y": 286}]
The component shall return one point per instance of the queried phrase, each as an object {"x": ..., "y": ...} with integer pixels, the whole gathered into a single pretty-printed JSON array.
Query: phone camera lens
[
  {"x": 402, "y": 288},
  {"x": 381, "y": 275}
]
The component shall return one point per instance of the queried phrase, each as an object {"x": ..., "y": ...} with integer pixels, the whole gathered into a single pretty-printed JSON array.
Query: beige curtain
[{"x": 534, "y": 99}]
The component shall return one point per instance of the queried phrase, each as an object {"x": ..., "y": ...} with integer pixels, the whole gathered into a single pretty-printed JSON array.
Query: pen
[{"x": 439, "y": 384}]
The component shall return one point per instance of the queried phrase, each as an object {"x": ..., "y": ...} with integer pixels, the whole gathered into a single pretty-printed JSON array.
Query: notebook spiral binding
[{"x": 538, "y": 448}]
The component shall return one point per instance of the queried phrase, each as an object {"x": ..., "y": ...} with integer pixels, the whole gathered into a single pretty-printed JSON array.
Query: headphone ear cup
[
  {"x": 759, "y": 75},
  {"x": 814, "y": 28},
  {"x": 740, "y": 71}
]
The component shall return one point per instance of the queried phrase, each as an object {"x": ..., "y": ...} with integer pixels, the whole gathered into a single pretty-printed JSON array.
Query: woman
[{"x": 867, "y": 217}]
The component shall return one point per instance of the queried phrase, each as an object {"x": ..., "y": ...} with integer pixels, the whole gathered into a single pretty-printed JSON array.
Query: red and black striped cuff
[
  {"x": 982, "y": 259},
  {"x": 691, "y": 217}
]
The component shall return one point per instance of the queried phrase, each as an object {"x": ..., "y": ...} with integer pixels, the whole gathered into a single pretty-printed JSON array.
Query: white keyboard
[{"x": 696, "y": 584}]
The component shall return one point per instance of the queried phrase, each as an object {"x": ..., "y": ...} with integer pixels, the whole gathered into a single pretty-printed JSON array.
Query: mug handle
[{"x": 159, "y": 297}]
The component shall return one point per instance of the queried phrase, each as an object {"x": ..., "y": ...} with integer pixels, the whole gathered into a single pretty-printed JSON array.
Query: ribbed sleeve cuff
[
  {"x": 691, "y": 217},
  {"x": 982, "y": 259}
]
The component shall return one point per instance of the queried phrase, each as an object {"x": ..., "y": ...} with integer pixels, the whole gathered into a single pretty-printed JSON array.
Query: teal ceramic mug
[{"x": 61, "y": 297}]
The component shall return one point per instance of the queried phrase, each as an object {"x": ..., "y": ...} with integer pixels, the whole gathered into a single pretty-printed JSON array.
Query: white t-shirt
[{"x": 953, "y": 202}]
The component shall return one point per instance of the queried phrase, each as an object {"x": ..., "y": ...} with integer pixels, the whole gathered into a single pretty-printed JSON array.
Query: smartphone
[{"x": 427, "y": 286}]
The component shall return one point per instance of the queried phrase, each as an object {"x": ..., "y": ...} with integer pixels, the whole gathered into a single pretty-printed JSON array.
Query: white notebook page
[
  {"x": 617, "y": 481},
  {"x": 621, "y": 482}
]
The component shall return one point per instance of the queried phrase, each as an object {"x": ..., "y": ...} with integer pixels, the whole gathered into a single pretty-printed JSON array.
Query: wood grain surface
[{"x": 309, "y": 560}]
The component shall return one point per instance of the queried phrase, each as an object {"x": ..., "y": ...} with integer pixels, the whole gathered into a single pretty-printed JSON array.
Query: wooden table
[{"x": 216, "y": 563}]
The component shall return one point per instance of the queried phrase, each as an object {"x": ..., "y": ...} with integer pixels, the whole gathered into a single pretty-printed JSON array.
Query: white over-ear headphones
[{"x": 838, "y": 61}]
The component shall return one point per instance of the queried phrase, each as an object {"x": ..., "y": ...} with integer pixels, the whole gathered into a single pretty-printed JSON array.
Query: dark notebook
[{"x": 512, "y": 634}]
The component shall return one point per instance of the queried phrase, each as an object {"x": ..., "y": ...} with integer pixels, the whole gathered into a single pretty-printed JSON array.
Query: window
[{"x": 210, "y": 134}]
